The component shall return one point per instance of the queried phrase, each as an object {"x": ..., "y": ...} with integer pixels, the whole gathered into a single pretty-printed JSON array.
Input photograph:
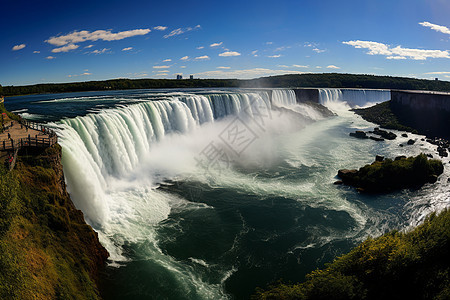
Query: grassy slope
[
  {"x": 383, "y": 115},
  {"x": 47, "y": 251},
  {"x": 397, "y": 265},
  {"x": 402, "y": 117}
]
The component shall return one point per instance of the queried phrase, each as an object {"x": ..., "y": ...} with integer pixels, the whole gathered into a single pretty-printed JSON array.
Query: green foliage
[
  {"x": 118, "y": 84},
  {"x": 332, "y": 80},
  {"x": 8, "y": 198},
  {"x": 383, "y": 115},
  {"x": 412, "y": 265},
  {"x": 47, "y": 251},
  {"x": 390, "y": 175}
]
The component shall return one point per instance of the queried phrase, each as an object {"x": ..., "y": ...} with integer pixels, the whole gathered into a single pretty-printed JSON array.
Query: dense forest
[{"x": 331, "y": 80}]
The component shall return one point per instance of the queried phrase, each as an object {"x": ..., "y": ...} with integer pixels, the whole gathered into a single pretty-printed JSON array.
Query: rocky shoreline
[{"x": 379, "y": 135}]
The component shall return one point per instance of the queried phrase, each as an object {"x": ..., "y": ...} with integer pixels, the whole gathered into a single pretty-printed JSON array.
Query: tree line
[{"x": 326, "y": 80}]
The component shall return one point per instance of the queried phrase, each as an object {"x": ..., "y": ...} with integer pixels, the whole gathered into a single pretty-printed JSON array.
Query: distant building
[
  {"x": 191, "y": 77},
  {"x": 179, "y": 77}
]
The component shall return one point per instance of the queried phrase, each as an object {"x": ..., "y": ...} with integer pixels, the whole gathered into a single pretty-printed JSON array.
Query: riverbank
[
  {"x": 391, "y": 115},
  {"x": 47, "y": 251}
]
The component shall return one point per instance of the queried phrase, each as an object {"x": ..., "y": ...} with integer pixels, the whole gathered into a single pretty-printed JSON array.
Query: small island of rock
[{"x": 386, "y": 175}]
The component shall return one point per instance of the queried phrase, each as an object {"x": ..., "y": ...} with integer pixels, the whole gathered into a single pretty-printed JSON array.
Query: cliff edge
[{"x": 47, "y": 251}]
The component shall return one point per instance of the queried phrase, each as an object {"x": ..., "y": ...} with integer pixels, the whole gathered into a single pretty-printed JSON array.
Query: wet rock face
[
  {"x": 385, "y": 134},
  {"x": 359, "y": 134},
  {"x": 377, "y": 135}
]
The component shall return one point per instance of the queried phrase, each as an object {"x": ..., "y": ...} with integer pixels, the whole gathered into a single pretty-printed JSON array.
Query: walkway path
[{"x": 17, "y": 135}]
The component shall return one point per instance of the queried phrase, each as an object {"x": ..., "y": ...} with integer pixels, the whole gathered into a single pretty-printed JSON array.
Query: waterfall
[
  {"x": 283, "y": 98},
  {"x": 100, "y": 147},
  {"x": 353, "y": 97}
]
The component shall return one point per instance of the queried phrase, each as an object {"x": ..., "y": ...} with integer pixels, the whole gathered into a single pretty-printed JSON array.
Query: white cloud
[
  {"x": 167, "y": 60},
  {"x": 127, "y": 49},
  {"x": 283, "y": 66},
  {"x": 182, "y": 67},
  {"x": 395, "y": 57},
  {"x": 204, "y": 57},
  {"x": 224, "y": 68},
  {"x": 398, "y": 52},
  {"x": 318, "y": 67},
  {"x": 179, "y": 31},
  {"x": 160, "y": 28},
  {"x": 254, "y": 52},
  {"x": 83, "y": 74},
  {"x": 66, "y": 48},
  {"x": 300, "y": 66},
  {"x": 244, "y": 74},
  {"x": 229, "y": 53},
  {"x": 274, "y": 56},
  {"x": 332, "y": 67},
  {"x": 36, "y": 52},
  {"x": 50, "y": 57},
  {"x": 88, "y": 46},
  {"x": 164, "y": 71},
  {"x": 184, "y": 58},
  {"x": 104, "y": 50},
  {"x": 437, "y": 73},
  {"x": 317, "y": 50},
  {"x": 84, "y": 35},
  {"x": 216, "y": 44},
  {"x": 435, "y": 27},
  {"x": 201, "y": 47},
  {"x": 18, "y": 47},
  {"x": 282, "y": 48},
  {"x": 269, "y": 43},
  {"x": 161, "y": 67}
]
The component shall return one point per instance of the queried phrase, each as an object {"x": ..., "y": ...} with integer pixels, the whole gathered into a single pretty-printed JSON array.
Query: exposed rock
[
  {"x": 411, "y": 142},
  {"x": 376, "y": 138},
  {"x": 379, "y": 158},
  {"x": 400, "y": 157},
  {"x": 338, "y": 182},
  {"x": 345, "y": 172},
  {"x": 359, "y": 134},
  {"x": 404, "y": 135},
  {"x": 385, "y": 134},
  {"x": 442, "y": 151}
]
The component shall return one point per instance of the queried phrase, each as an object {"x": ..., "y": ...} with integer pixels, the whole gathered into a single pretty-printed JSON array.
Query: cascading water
[
  {"x": 284, "y": 98},
  {"x": 352, "y": 97},
  {"x": 249, "y": 217}
]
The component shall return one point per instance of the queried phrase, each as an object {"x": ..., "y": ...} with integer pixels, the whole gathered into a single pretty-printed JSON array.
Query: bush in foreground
[{"x": 397, "y": 265}]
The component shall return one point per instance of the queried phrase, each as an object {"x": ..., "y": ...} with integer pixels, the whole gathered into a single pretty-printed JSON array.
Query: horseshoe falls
[{"x": 209, "y": 194}]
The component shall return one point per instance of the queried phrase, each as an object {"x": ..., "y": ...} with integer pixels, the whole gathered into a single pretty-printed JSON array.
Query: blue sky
[{"x": 68, "y": 41}]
